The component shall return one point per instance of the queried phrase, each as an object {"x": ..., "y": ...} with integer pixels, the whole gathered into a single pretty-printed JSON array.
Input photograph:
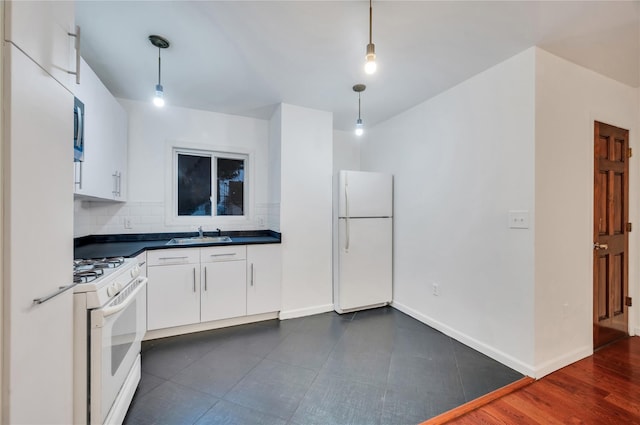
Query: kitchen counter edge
[{"x": 133, "y": 244}]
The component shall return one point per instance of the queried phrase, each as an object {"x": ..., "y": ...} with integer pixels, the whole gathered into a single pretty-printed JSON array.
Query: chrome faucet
[
  {"x": 200, "y": 232},
  {"x": 219, "y": 231}
]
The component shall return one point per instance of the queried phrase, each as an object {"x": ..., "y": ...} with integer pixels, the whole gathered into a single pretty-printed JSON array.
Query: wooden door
[{"x": 610, "y": 234}]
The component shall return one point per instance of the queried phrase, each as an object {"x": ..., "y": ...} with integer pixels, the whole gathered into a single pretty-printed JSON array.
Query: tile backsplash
[{"x": 99, "y": 218}]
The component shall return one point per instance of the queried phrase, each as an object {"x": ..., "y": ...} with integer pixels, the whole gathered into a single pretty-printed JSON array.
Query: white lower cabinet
[
  {"x": 224, "y": 277},
  {"x": 173, "y": 291},
  {"x": 193, "y": 285},
  {"x": 224, "y": 290},
  {"x": 173, "y": 295},
  {"x": 264, "y": 277}
]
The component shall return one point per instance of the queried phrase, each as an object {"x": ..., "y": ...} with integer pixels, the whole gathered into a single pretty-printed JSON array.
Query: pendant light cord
[
  {"x": 159, "y": 67},
  {"x": 370, "y": 21},
  {"x": 358, "y": 105}
]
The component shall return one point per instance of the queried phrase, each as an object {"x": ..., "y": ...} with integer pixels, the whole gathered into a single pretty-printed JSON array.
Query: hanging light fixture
[
  {"x": 359, "y": 88},
  {"x": 370, "y": 65},
  {"x": 160, "y": 43}
]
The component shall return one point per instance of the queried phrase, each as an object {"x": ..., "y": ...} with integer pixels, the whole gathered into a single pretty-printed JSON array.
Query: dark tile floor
[{"x": 372, "y": 367}]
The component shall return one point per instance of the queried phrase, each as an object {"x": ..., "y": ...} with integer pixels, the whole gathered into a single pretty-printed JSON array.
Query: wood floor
[{"x": 601, "y": 389}]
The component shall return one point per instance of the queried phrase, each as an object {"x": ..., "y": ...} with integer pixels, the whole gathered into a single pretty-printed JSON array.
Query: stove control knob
[
  {"x": 112, "y": 290},
  {"x": 135, "y": 271}
]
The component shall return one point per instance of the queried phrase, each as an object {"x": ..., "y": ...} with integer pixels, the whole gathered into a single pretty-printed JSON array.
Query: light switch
[{"x": 518, "y": 219}]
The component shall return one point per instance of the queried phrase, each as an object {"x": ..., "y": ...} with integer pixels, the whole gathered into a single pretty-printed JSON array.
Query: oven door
[{"x": 117, "y": 330}]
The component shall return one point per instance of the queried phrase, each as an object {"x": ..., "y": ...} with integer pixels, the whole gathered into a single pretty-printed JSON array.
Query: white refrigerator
[{"x": 363, "y": 246}]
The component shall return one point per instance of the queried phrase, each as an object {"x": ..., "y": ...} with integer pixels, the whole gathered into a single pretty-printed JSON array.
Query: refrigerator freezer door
[
  {"x": 365, "y": 271},
  {"x": 365, "y": 194}
]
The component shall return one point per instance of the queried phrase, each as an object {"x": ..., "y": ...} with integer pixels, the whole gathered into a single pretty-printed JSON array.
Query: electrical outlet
[
  {"x": 436, "y": 289},
  {"x": 127, "y": 223},
  {"x": 518, "y": 219}
]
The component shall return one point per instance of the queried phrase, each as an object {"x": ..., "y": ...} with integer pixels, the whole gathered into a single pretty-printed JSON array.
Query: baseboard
[
  {"x": 562, "y": 361},
  {"x": 307, "y": 311},
  {"x": 495, "y": 354},
  {"x": 636, "y": 331},
  {"x": 198, "y": 327}
]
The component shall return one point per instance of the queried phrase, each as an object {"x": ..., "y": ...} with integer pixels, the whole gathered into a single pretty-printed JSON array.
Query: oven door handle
[{"x": 109, "y": 311}]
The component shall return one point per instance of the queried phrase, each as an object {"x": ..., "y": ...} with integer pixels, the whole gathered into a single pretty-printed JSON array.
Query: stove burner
[
  {"x": 86, "y": 276},
  {"x": 85, "y": 271}
]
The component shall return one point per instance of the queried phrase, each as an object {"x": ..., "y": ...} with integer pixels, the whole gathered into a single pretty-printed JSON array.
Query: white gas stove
[
  {"x": 109, "y": 324},
  {"x": 104, "y": 278}
]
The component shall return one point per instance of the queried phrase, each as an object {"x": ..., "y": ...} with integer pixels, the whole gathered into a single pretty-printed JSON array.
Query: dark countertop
[{"x": 130, "y": 245}]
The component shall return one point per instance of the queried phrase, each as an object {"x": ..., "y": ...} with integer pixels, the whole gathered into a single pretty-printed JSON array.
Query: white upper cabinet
[
  {"x": 41, "y": 30},
  {"x": 103, "y": 172}
]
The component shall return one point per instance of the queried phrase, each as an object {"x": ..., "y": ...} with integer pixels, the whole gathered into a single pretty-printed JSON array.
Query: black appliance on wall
[{"x": 78, "y": 131}]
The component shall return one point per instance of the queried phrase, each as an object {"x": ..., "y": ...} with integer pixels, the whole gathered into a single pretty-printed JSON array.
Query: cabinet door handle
[
  {"x": 79, "y": 181},
  {"x": 115, "y": 184},
  {"x": 223, "y": 255},
  {"x": 173, "y": 258},
  {"x": 53, "y": 295},
  {"x": 251, "y": 274},
  {"x": 194, "y": 279},
  {"x": 205, "y": 278},
  {"x": 77, "y": 46}
]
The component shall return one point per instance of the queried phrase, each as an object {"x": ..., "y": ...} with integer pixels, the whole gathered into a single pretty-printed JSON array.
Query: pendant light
[
  {"x": 160, "y": 43},
  {"x": 359, "y": 88},
  {"x": 370, "y": 65}
]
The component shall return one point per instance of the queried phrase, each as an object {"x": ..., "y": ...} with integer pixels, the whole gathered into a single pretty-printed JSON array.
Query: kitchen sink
[{"x": 199, "y": 240}]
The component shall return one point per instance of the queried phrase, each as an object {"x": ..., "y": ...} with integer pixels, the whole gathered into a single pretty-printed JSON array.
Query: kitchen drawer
[
  {"x": 164, "y": 257},
  {"x": 223, "y": 253}
]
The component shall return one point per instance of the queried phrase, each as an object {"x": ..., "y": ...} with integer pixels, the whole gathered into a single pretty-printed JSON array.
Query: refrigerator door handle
[{"x": 346, "y": 219}]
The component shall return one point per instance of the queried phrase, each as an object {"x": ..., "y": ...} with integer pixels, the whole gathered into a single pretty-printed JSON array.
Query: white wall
[
  {"x": 568, "y": 100},
  {"x": 305, "y": 210},
  {"x": 516, "y": 137},
  {"x": 461, "y": 161},
  {"x": 150, "y": 130},
  {"x": 346, "y": 151}
]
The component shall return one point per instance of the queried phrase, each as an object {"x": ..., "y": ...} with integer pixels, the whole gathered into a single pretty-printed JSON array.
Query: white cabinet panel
[
  {"x": 164, "y": 257},
  {"x": 264, "y": 278},
  {"x": 224, "y": 290},
  {"x": 38, "y": 219},
  {"x": 173, "y": 296},
  {"x": 103, "y": 172},
  {"x": 223, "y": 253},
  {"x": 40, "y": 29}
]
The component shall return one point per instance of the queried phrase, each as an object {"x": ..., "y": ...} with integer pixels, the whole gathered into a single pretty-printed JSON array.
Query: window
[
  {"x": 194, "y": 185},
  {"x": 230, "y": 178},
  {"x": 205, "y": 177}
]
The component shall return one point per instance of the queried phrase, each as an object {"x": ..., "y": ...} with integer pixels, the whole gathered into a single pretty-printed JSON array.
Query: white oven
[
  {"x": 116, "y": 333},
  {"x": 109, "y": 324}
]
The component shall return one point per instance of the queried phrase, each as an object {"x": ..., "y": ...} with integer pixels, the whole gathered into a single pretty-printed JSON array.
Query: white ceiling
[{"x": 245, "y": 57}]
